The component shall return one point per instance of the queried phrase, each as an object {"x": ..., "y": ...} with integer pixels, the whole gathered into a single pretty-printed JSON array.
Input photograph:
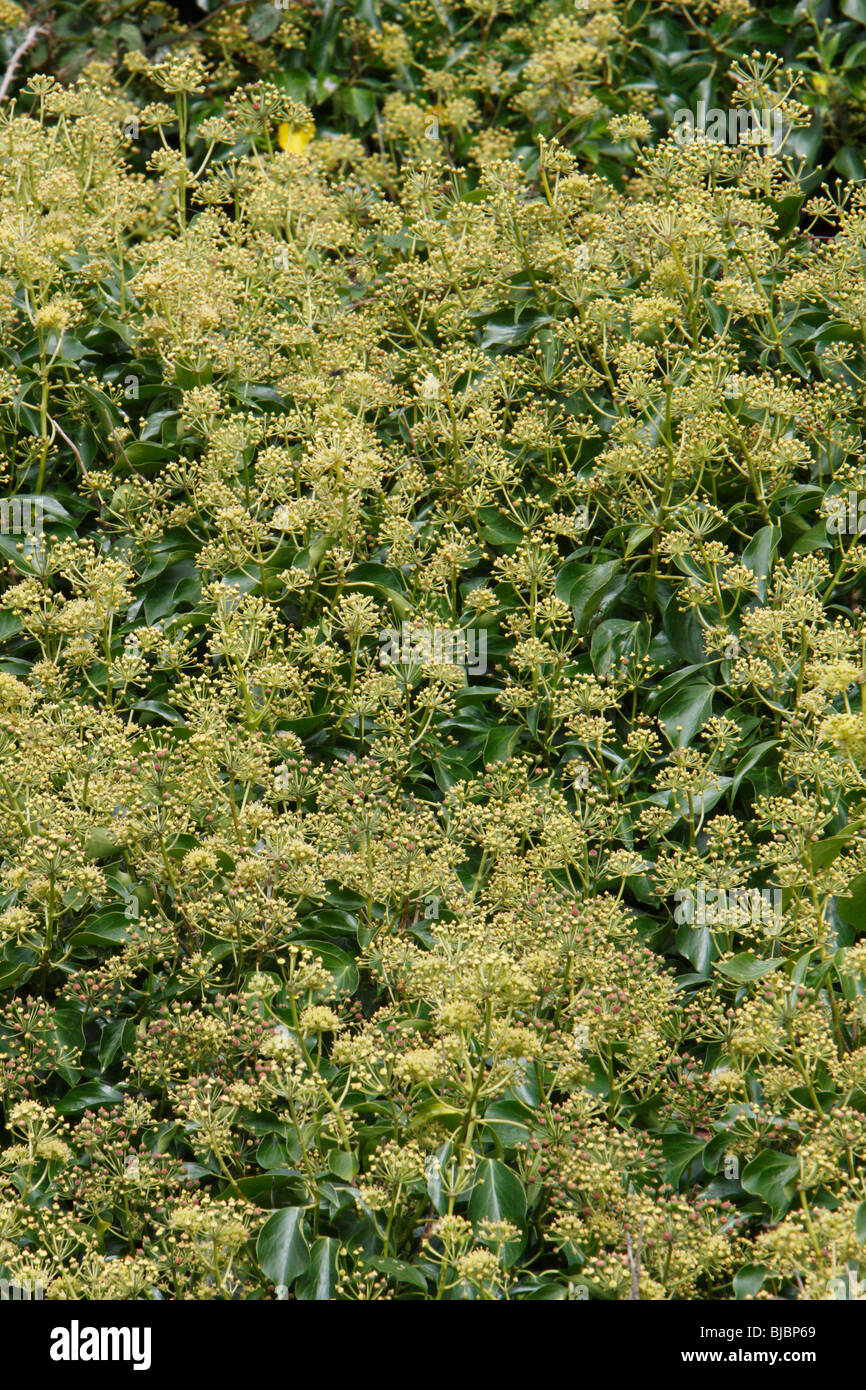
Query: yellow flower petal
[{"x": 293, "y": 138}]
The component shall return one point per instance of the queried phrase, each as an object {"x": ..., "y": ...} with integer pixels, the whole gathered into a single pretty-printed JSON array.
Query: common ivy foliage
[{"x": 432, "y": 734}]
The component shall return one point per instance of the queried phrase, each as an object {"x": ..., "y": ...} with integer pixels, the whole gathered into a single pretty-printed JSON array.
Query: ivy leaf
[
  {"x": 260, "y": 25},
  {"x": 585, "y": 587},
  {"x": 771, "y": 1175},
  {"x": 281, "y": 1249},
  {"x": 317, "y": 1283},
  {"x": 500, "y": 743},
  {"x": 86, "y": 1096},
  {"x": 498, "y": 1195},
  {"x": 680, "y": 1150},
  {"x": 749, "y": 1280},
  {"x": 746, "y": 967},
  {"x": 685, "y": 712},
  {"x": 758, "y": 556}
]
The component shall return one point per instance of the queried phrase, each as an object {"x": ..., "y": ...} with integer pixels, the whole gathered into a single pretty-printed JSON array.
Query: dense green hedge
[{"x": 432, "y": 733}]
